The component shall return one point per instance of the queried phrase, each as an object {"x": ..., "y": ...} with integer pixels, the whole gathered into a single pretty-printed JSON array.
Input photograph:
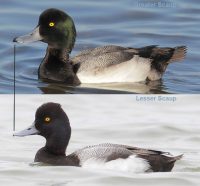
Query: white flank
[
  {"x": 134, "y": 70},
  {"x": 131, "y": 164}
]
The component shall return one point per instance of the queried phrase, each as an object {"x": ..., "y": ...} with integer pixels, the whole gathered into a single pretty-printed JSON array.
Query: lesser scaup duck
[
  {"x": 105, "y": 64},
  {"x": 52, "y": 123}
]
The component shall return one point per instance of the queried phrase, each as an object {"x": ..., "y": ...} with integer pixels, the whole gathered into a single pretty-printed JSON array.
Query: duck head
[
  {"x": 52, "y": 123},
  {"x": 55, "y": 28}
]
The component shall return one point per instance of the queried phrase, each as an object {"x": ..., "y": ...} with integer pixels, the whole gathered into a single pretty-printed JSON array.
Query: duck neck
[
  {"x": 57, "y": 144},
  {"x": 58, "y": 55},
  {"x": 56, "y": 66}
]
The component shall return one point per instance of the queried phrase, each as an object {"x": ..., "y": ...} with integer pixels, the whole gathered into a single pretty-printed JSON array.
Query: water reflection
[{"x": 113, "y": 88}]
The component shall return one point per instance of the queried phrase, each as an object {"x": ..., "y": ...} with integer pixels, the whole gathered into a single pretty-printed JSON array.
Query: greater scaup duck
[
  {"x": 105, "y": 64},
  {"x": 52, "y": 123}
]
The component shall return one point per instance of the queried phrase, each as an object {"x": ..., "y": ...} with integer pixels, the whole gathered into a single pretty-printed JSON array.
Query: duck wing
[
  {"x": 101, "y": 57},
  {"x": 152, "y": 60},
  {"x": 110, "y": 64},
  {"x": 126, "y": 157}
]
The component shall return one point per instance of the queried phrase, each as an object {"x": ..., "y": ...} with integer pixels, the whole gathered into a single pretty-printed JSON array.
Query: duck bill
[
  {"x": 29, "y": 38},
  {"x": 26, "y": 132}
]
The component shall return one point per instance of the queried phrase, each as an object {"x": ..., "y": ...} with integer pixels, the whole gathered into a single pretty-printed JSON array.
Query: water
[
  {"x": 122, "y": 22},
  {"x": 167, "y": 126}
]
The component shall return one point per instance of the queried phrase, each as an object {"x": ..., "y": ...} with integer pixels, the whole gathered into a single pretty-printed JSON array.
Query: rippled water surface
[
  {"x": 167, "y": 126},
  {"x": 133, "y": 23}
]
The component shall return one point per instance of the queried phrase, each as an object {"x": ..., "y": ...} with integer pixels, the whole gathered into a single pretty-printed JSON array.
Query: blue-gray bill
[
  {"x": 29, "y": 38},
  {"x": 26, "y": 132}
]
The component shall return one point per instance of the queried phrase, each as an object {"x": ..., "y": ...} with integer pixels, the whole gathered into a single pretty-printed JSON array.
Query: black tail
[
  {"x": 169, "y": 164},
  {"x": 175, "y": 158},
  {"x": 178, "y": 54},
  {"x": 161, "y": 57}
]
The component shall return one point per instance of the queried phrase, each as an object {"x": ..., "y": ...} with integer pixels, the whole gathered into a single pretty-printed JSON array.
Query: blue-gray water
[{"x": 133, "y": 23}]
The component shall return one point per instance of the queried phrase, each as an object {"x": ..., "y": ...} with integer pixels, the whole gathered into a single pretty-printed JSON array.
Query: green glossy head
[{"x": 55, "y": 27}]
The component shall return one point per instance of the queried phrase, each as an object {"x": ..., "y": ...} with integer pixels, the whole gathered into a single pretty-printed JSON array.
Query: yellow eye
[
  {"x": 51, "y": 24},
  {"x": 47, "y": 119}
]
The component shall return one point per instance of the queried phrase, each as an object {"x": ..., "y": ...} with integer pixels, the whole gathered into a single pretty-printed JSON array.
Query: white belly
[
  {"x": 134, "y": 70},
  {"x": 131, "y": 164}
]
